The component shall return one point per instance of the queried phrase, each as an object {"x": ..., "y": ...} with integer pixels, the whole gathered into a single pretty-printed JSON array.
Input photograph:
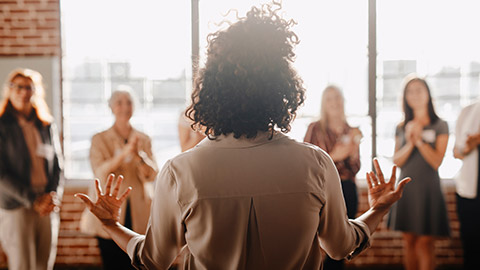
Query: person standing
[
  {"x": 123, "y": 150},
  {"x": 333, "y": 134},
  {"x": 467, "y": 148},
  {"x": 248, "y": 197},
  {"x": 31, "y": 180},
  {"x": 420, "y": 145}
]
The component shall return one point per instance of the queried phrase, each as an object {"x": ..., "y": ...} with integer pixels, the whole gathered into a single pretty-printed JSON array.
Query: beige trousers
[{"x": 29, "y": 240}]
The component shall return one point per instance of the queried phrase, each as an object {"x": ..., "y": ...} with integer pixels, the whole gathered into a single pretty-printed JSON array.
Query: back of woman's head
[
  {"x": 38, "y": 97},
  {"x": 248, "y": 84}
]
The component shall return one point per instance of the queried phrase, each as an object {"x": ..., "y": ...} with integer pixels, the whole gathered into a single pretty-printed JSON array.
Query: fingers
[
  {"x": 372, "y": 179},
  {"x": 401, "y": 185},
  {"x": 98, "y": 188},
  {"x": 109, "y": 183},
  {"x": 393, "y": 178},
  {"x": 85, "y": 199},
  {"x": 378, "y": 171},
  {"x": 369, "y": 180},
  {"x": 125, "y": 194},
  {"x": 117, "y": 186}
]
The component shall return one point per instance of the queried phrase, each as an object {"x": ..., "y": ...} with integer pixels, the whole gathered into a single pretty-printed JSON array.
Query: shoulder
[
  {"x": 399, "y": 128},
  {"x": 465, "y": 112},
  {"x": 440, "y": 124},
  {"x": 142, "y": 136},
  {"x": 305, "y": 151},
  {"x": 101, "y": 137}
]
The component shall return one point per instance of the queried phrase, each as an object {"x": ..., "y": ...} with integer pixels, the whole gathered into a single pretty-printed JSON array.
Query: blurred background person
[
  {"x": 333, "y": 134},
  {"x": 420, "y": 145},
  {"x": 467, "y": 148},
  {"x": 122, "y": 150},
  {"x": 187, "y": 136},
  {"x": 30, "y": 174}
]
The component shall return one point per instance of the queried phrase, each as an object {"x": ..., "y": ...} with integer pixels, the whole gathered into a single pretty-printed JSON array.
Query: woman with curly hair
[{"x": 248, "y": 197}]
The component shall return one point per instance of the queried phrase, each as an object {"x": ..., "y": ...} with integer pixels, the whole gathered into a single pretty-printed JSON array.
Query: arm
[
  {"x": 339, "y": 152},
  {"x": 402, "y": 154},
  {"x": 20, "y": 193},
  {"x": 354, "y": 157},
  {"x": 308, "y": 135},
  {"x": 341, "y": 237},
  {"x": 147, "y": 167},
  {"x": 102, "y": 164},
  {"x": 472, "y": 142},
  {"x": 158, "y": 248},
  {"x": 433, "y": 156},
  {"x": 9, "y": 183}
]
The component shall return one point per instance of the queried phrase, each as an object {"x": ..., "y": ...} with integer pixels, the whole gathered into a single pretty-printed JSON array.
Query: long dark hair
[{"x": 408, "y": 111}]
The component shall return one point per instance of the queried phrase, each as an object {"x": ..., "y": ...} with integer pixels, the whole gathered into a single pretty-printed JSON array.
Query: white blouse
[{"x": 468, "y": 123}]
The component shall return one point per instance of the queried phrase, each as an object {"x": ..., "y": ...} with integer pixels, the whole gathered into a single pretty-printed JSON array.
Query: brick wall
[
  {"x": 387, "y": 245},
  {"x": 29, "y": 27},
  {"x": 32, "y": 28},
  {"x": 75, "y": 249}
]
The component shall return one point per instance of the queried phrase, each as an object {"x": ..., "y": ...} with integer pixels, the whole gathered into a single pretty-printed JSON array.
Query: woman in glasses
[{"x": 30, "y": 174}]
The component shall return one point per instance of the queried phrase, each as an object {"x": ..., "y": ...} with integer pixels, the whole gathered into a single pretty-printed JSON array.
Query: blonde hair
[
  {"x": 38, "y": 97},
  {"x": 122, "y": 90},
  {"x": 323, "y": 108}
]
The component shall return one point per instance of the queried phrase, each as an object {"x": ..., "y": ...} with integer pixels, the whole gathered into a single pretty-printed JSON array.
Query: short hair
[
  {"x": 38, "y": 98},
  {"x": 248, "y": 84},
  {"x": 122, "y": 90}
]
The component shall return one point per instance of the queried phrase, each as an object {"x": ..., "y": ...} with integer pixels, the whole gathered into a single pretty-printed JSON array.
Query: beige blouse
[
  {"x": 105, "y": 145},
  {"x": 38, "y": 176},
  {"x": 248, "y": 204}
]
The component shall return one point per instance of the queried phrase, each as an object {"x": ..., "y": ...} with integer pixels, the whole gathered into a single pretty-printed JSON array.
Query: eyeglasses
[{"x": 19, "y": 87}]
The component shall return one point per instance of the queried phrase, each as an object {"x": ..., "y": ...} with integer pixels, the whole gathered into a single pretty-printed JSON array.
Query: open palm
[
  {"x": 107, "y": 206},
  {"x": 381, "y": 194}
]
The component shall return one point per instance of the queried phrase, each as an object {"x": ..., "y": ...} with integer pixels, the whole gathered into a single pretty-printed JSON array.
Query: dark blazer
[{"x": 15, "y": 187}]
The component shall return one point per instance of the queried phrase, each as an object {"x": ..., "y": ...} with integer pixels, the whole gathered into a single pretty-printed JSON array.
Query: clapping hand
[
  {"x": 381, "y": 194},
  {"x": 413, "y": 132},
  {"x": 472, "y": 142},
  {"x": 107, "y": 206},
  {"x": 47, "y": 203}
]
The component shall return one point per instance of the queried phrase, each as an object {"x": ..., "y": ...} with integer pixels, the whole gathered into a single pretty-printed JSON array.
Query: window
[
  {"x": 148, "y": 47},
  {"x": 332, "y": 50},
  {"x": 435, "y": 39},
  {"x": 141, "y": 44}
]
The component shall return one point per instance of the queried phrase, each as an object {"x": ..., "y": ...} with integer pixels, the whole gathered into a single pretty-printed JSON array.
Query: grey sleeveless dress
[{"x": 422, "y": 209}]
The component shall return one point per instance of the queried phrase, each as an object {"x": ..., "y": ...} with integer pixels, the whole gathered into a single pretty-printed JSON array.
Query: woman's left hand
[
  {"x": 107, "y": 206},
  {"x": 382, "y": 195}
]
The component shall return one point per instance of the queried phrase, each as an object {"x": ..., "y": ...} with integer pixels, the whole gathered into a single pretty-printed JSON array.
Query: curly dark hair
[{"x": 248, "y": 84}]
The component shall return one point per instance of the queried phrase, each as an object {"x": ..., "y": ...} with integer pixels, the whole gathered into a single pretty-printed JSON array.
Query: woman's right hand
[
  {"x": 107, "y": 206},
  {"x": 382, "y": 195}
]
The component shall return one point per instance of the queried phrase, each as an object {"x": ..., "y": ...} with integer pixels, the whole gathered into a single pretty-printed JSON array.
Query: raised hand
[
  {"x": 107, "y": 206},
  {"x": 381, "y": 194}
]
